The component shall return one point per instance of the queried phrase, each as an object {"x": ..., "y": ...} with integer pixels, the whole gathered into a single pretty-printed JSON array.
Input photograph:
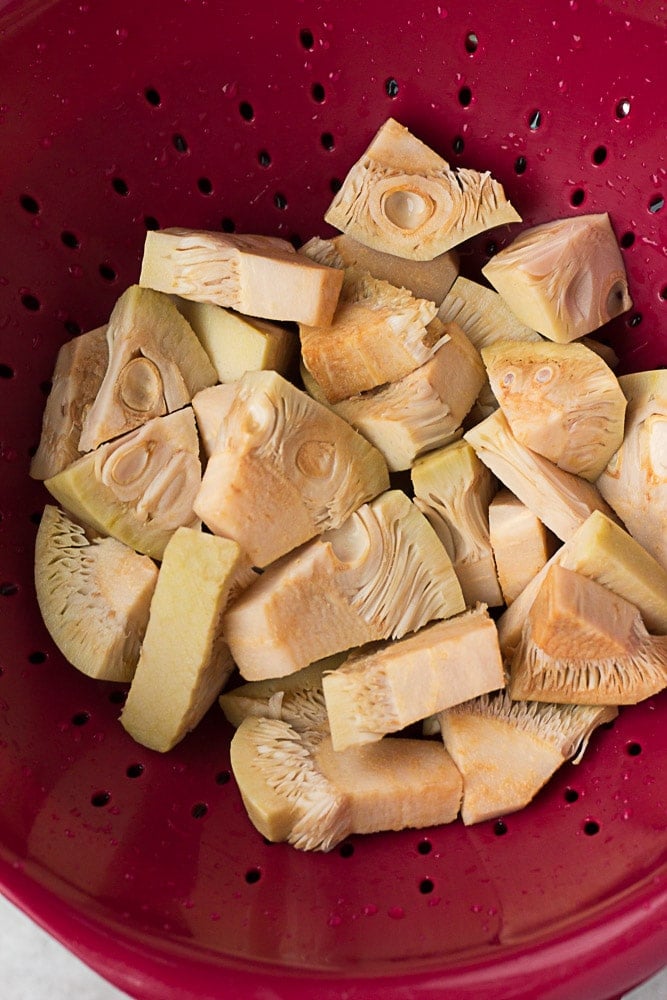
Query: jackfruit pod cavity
[
  {"x": 156, "y": 364},
  {"x": 564, "y": 278},
  {"x": 284, "y": 469},
  {"x": 404, "y": 199},
  {"x": 138, "y": 488},
  {"x": 521, "y": 544},
  {"x": 77, "y": 377},
  {"x": 94, "y": 595},
  {"x": 256, "y": 275}
]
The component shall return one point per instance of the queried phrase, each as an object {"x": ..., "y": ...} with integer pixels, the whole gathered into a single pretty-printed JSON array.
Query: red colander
[{"x": 121, "y": 117}]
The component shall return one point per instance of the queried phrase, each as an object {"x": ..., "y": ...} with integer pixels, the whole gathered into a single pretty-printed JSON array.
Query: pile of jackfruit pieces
[{"x": 298, "y": 481}]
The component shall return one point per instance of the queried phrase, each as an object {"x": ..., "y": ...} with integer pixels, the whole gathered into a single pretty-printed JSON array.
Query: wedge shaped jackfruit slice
[
  {"x": 634, "y": 482},
  {"x": 77, "y": 377},
  {"x": 387, "y": 686},
  {"x": 156, "y": 365},
  {"x": 184, "y": 659},
  {"x": 582, "y": 644},
  {"x": 560, "y": 499},
  {"x": 507, "y": 750},
  {"x": 379, "y": 334},
  {"x": 382, "y": 574},
  {"x": 521, "y": 544},
  {"x": 284, "y": 469},
  {"x": 560, "y": 400},
  {"x": 402, "y": 198},
  {"x": 256, "y": 275},
  {"x": 564, "y": 278},
  {"x": 453, "y": 489},
  {"x": 94, "y": 595},
  {"x": 211, "y": 407},
  {"x": 138, "y": 488}
]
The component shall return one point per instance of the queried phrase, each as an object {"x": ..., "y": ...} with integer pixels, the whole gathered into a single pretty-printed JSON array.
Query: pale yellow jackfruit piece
[
  {"x": 425, "y": 279},
  {"x": 582, "y": 644},
  {"x": 211, "y": 407},
  {"x": 402, "y": 198},
  {"x": 507, "y": 750},
  {"x": 561, "y": 500},
  {"x": 138, "y": 488},
  {"x": 384, "y": 687},
  {"x": 379, "y": 334},
  {"x": 236, "y": 344},
  {"x": 564, "y": 278},
  {"x": 156, "y": 364},
  {"x": 77, "y": 377},
  {"x": 560, "y": 400},
  {"x": 634, "y": 482},
  {"x": 602, "y": 551},
  {"x": 256, "y": 275},
  {"x": 184, "y": 659},
  {"x": 453, "y": 489},
  {"x": 296, "y": 698},
  {"x": 521, "y": 544},
  {"x": 284, "y": 469},
  {"x": 94, "y": 595},
  {"x": 382, "y": 574}
]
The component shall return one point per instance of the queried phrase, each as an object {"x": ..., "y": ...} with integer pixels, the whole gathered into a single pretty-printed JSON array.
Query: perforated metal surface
[{"x": 115, "y": 118}]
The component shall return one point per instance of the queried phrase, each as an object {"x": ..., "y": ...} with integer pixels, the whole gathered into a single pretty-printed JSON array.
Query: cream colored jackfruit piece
[
  {"x": 211, "y": 407},
  {"x": 184, "y": 659},
  {"x": 297, "y": 698},
  {"x": 602, "y": 551},
  {"x": 236, "y": 344},
  {"x": 94, "y": 595},
  {"x": 256, "y": 275},
  {"x": 382, "y": 574},
  {"x": 521, "y": 544},
  {"x": 582, "y": 644},
  {"x": 297, "y": 789},
  {"x": 561, "y": 500},
  {"x": 77, "y": 377},
  {"x": 560, "y": 400},
  {"x": 634, "y": 482},
  {"x": 379, "y": 334},
  {"x": 453, "y": 489},
  {"x": 507, "y": 750},
  {"x": 384, "y": 687},
  {"x": 419, "y": 412},
  {"x": 402, "y": 198},
  {"x": 564, "y": 278},
  {"x": 138, "y": 488},
  {"x": 425, "y": 279},
  {"x": 284, "y": 469},
  {"x": 156, "y": 365}
]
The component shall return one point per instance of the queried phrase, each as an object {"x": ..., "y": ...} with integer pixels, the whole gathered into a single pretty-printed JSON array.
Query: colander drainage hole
[
  {"x": 570, "y": 795},
  {"x": 72, "y": 327},
  {"x": 228, "y": 225},
  {"x": 424, "y": 847},
  {"x": 150, "y": 222},
  {"x": 135, "y": 770},
  {"x": 107, "y": 272},
  {"x": 205, "y": 185},
  {"x": 306, "y": 38},
  {"x": 465, "y": 97},
  {"x": 223, "y": 777},
  {"x": 179, "y": 142},
  {"x": 471, "y": 42},
  {"x": 591, "y": 827},
  {"x": 627, "y": 239},
  {"x": 120, "y": 186},
  {"x": 391, "y": 86},
  {"x": 327, "y": 141},
  {"x": 656, "y": 204},
  {"x": 500, "y": 828},
  {"x": 246, "y": 111},
  {"x": 346, "y": 849},
  {"x": 70, "y": 240},
  {"x": 253, "y": 875},
  {"x": 37, "y": 656},
  {"x": 534, "y": 120},
  {"x": 36, "y": 517},
  {"x": 264, "y": 158},
  {"x": 6, "y": 371},
  {"x": 317, "y": 92},
  {"x": 426, "y": 885},
  {"x": 623, "y": 108},
  {"x": 100, "y": 799},
  {"x": 8, "y": 589},
  {"x": 30, "y": 302},
  {"x": 635, "y": 320},
  {"x": 29, "y": 204},
  {"x": 520, "y": 165},
  {"x": 199, "y": 810},
  {"x": 633, "y": 749},
  {"x": 118, "y": 697},
  {"x": 577, "y": 197},
  {"x": 280, "y": 201},
  {"x": 152, "y": 96},
  {"x": 599, "y": 155},
  {"x": 662, "y": 293},
  {"x": 458, "y": 144},
  {"x": 335, "y": 184},
  {"x": 80, "y": 718}
]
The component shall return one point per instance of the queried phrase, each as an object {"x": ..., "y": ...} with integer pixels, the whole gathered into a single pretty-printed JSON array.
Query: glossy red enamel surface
[{"x": 115, "y": 117}]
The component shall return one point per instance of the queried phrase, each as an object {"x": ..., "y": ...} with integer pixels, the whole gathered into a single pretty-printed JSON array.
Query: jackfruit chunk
[
  {"x": 507, "y": 750},
  {"x": 236, "y": 344},
  {"x": 296, "y": 788},
  {"x": 483, "y": 315},
  {"x": 379, "y": 334},
  {"x": 257, "y": 275},
  {"x": 425, "y": 279},
  {"x": 604, "y": 552},
  {"x": 581, "y": 644},
  {"x": 564, "y": 278},
  {"x": 211, "y": 407},
  {"x": 560, "y": 499},
  {"x": 382, "y": 574},
  {"x": 184, "y": 659},
  {"x": 634, "y": 483},
  {"x": 453, "y": 489},
  {"x": 94, "y": 595},
  {"x": 77, "y": 376},
  {"x": 156, "y": 364},
  {"x": 560, "y": 400},
  {"x": 138, "y": 488},
  {"x": 419, "y": 412},
  {"x": 404, "y": 199},
  {"x": 384, "y": 687},
  {"x": 521, "y": 544},
  {"x": 284, "y": 469}
]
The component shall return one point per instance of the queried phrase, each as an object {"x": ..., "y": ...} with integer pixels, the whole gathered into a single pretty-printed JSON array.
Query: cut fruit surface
[{"x": 521, "y": 544}]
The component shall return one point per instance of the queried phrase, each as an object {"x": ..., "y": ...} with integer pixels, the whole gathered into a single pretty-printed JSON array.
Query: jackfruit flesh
[{"x": 520, "y": 543}]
